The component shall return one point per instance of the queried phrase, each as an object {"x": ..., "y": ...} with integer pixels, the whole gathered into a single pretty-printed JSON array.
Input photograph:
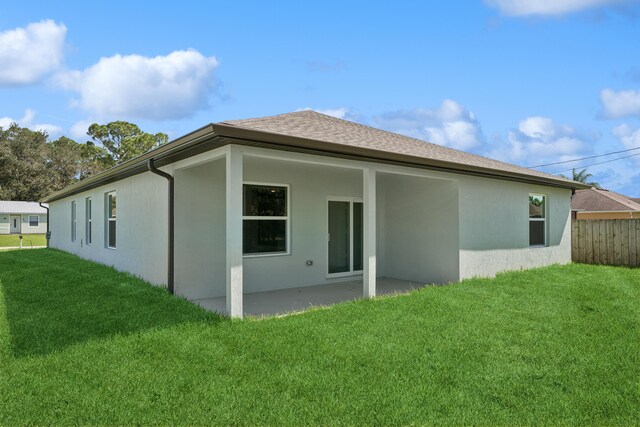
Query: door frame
[
  {"x": 351, "y": 201},
  {"x": 12, "y": 230}
]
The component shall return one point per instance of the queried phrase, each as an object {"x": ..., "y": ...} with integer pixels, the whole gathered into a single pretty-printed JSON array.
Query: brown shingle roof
[
  {"x": 320, "y": 127},
  {"x": 318, "y": 132},
  {"x": 602, "y": 201}
]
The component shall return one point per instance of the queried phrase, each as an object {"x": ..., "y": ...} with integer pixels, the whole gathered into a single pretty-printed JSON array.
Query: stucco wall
[
  {"x": 141, "y": 226},
  {"x": 438, "y": 228},
  {"x": 310, "y": 188},
  {"x": 4, "y": 224},
  {"x": 420, "y": 228},
  {"x": 40, "y": 229},
  {"x": 200, "y": 251},
  {"x": 5, "y": 227},
  {"x": 494, "y": 227},
  {"x": 200, "y": 226}
]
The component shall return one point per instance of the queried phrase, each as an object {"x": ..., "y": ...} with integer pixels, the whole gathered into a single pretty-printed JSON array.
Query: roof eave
[{"x": 231, "y": 131}]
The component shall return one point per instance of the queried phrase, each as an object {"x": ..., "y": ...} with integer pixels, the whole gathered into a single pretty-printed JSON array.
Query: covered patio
[
  {"x": 291, "y": 300},
  {"x": 343, "y": 230}
]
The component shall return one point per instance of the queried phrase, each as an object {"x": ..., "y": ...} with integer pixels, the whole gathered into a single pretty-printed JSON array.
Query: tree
[
  {"x": 65, "y": 158},
  {"x": 123, "y": 141},
  {"x": 583, "y": 177},
  {"x": 93, "y": 160},
  {"x": 31, "y": 166},
  {"x": 24, "y": 164}
]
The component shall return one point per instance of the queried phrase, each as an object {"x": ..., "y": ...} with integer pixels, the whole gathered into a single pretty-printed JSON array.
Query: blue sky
[{"x": 529, "y": 82}]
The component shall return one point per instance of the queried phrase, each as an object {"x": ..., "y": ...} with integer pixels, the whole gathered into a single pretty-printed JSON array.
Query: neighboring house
[
  {"x": 22, "y": 218},
  {"x": 304, "y": 199},
  {"x": 593, "y": 203}
]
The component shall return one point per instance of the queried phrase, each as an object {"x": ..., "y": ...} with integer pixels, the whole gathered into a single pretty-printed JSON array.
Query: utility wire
[
  {"x": 586, "y": 158},
  {"x": 600, "y": 163}
]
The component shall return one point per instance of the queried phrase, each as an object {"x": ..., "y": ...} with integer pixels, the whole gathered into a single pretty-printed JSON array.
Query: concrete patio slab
[{"x": 297, "y": 299}]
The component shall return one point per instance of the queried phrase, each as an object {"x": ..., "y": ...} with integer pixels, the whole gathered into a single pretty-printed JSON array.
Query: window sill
[
  {"x": 266, "y": 255},
  {"x": 537, "y": 246}
]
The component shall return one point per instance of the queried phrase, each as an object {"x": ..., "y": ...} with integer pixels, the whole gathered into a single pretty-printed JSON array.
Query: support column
[
  {"x": 369, "y": 249},
  {"x": 234, "y": 231}
]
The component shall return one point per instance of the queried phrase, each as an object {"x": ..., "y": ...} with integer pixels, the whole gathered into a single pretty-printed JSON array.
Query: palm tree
[{"x": 582, "y": 176}]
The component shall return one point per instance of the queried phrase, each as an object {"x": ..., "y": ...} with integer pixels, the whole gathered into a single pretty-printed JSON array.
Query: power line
[
  {"x": 600, "y": 163},
  {"x": 585, "y": 158}
]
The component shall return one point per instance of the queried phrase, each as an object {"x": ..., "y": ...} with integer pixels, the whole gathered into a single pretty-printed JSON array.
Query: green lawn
[
  {"x": 7, "y": 240},
  {"x": 83, "y": 344}
]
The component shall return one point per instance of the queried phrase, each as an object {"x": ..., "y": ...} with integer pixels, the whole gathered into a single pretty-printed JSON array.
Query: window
[
  {"x": 265, "y": 220},
  {"x": 111, "y": 220},
  {"x": 89, "y": 224},
  {"x": 537, "y": 220},
  {"x": 73, "y": 221},
  {"x": 34, "y": 220}
]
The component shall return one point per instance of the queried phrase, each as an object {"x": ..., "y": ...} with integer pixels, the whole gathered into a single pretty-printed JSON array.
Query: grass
[
  {"x": 8, "y": 240},
  {"x": 83, "y": 344}
]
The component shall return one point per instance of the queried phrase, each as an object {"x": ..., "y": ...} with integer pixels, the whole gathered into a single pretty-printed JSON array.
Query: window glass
[
  {"x": 339, "y": 244},
  {"x": 536, "y": 206},
  {"x": 536, "y": 233},
  {"x": 263, "y": 200},
  {"x": 73, "y": 221},
  {"x": 264, "y": 236},
  {"x": 33, "y": 221},
  {"x": 112, "y": 205},
  {"x": 89, "y": 228},
  {"x": 112, "y": 234},
  {"x": 111, "y": 220},
  {"x": 358, "y": 236}
]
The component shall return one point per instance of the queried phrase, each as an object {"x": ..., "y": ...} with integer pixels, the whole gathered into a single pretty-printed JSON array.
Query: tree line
[{"x": 32, "y": 165}]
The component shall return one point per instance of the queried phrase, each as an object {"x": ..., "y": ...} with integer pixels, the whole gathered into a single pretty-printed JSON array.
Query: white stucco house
[
  {"x": 238, "y": 210},
  {"x": 22, "y": 217}
]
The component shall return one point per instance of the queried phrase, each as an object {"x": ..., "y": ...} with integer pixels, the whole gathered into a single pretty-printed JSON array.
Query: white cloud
[
  {"x": 451, "y": 124},
  {"x": 624, "y": 103},
  {"x": 629, "y": 137},
  {"x": 134, "y": 86},
  {"x": 79, "y": 129},
  {"x": 539, "y": 140},
  {"x": 30, "y": 53},
  {"x": 27, "y": 121},
  {"x": 547, "y": 7}
]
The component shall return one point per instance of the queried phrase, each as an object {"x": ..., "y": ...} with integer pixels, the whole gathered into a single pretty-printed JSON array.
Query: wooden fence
[{"x": 606, "y": 241}]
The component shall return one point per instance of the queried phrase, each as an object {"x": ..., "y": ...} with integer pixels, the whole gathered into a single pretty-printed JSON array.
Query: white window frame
[
  {"x": 108, "y": 219},
  {"x": 351, "y": 201},
  {"x": 544, "y": 220},
  {"x": 286, "y": 218},
  {"x": 74, "y": 220},
  {"x": 88, "y": 213},
  {"x": 37, "y": 217}
]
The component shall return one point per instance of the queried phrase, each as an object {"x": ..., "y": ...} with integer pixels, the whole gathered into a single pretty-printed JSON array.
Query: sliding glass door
[{"x": 345, "y": 236}]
